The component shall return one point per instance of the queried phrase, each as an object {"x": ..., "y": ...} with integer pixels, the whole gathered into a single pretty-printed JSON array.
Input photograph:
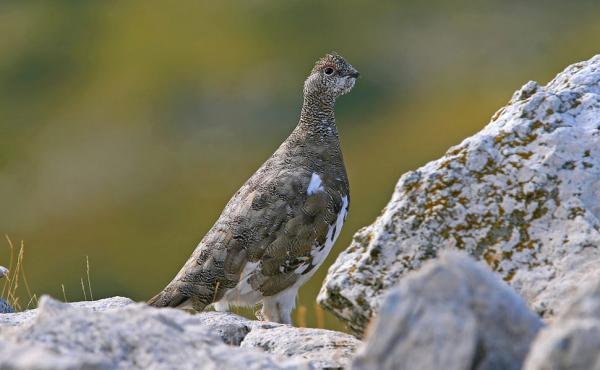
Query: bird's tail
[{"x": 169, "y": 297}]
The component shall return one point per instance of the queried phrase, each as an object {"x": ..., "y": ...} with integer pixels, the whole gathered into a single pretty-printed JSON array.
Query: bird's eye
[{"x": 328, "y": 71}]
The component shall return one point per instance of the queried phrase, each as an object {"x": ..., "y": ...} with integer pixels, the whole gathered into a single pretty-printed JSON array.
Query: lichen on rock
[{"x": 521, "y": 195}]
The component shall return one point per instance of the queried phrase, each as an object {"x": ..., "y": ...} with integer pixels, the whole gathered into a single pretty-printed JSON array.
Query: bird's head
[{"x": 331, "y": 77}]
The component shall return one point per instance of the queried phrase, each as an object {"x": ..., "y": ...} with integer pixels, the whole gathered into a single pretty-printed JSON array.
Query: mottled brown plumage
[{"x": 280, "y": 225}]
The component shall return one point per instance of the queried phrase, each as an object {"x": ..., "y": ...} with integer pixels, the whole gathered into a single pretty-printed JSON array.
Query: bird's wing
[
  {"x": 271, "y": 221},
  {"x": 288, "y": 252}
]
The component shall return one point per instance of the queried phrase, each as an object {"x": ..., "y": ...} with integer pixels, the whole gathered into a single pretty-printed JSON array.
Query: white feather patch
[{"x": 315, "y": 184}]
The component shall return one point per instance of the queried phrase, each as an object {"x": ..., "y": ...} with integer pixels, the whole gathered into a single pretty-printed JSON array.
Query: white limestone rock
[
  {"x": 34, "y": 357},
  {"x": 572, "y": 341},
  {"x": 521, "y": 195},
  {"x": 453, "y": 314},
  {"x": 117, "y": 334},
  {"x": 25, "y": 317},
  {"x": 322, "y": 348}
]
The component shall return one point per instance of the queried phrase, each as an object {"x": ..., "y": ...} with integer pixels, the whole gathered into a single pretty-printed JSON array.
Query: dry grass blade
[
  {"x": 32, "y": 296},
  {"x": 87, "y": 264},
  {"x": 15, "y": 280},
  {"x": 15, "y": 273},
  {"x": 11, "y": 296},
  {"x": 216, "y": 290},
  {"x": 83, "y": 289},
  {"x": 10, "y": 266},
  {"x": 64, "y": 293},
  {"x": 32, "y": 300}
]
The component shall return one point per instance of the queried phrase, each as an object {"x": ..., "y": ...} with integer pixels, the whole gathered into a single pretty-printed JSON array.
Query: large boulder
[
  {"x": 522, "y": 195},
  {"x": 453, "y": 314},
  {"x": 572, "y": 342},
  {"x": 116, "y": 333}
]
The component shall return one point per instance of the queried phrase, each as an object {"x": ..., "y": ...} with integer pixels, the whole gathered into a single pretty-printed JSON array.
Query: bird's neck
[{"x": 318, "y": 116}]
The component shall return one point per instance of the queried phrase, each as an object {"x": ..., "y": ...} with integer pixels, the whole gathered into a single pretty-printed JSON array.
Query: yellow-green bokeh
[{"x": 125, "y": 126}]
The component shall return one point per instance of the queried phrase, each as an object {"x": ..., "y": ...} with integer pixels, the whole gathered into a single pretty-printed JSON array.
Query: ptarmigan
[{"x": 279, "y": 227}]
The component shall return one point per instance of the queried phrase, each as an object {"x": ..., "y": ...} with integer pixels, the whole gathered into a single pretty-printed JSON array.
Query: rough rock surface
[
  {"x": 453, "y": 314},
  {"x": 5, "y": 307},
  {"x": 521, "y": 195},
  {"x": 572, "y": 342},
  {"x": 19, "y": 318},
  {"x": 322, "y": 348},
  {"x": 117, "y": 334}
]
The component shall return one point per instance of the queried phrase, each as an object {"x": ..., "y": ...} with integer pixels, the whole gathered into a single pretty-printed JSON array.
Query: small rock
[
  {"x": 5, "y": 307},
  {"x": 572, "y": 342},
  {"x": 521, "y": 195},
  {"x": 453, "y": 314}
]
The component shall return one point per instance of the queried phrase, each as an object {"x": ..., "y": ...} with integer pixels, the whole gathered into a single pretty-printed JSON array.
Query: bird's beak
[{"x": 354, "y": 74}]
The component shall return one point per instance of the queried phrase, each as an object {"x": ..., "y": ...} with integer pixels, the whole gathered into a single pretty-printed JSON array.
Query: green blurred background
[{"x": 125, "y": 126}]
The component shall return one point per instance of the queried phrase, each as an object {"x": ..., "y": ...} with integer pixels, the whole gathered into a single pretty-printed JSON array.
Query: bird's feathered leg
[{"x": 278, "y": 308}]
